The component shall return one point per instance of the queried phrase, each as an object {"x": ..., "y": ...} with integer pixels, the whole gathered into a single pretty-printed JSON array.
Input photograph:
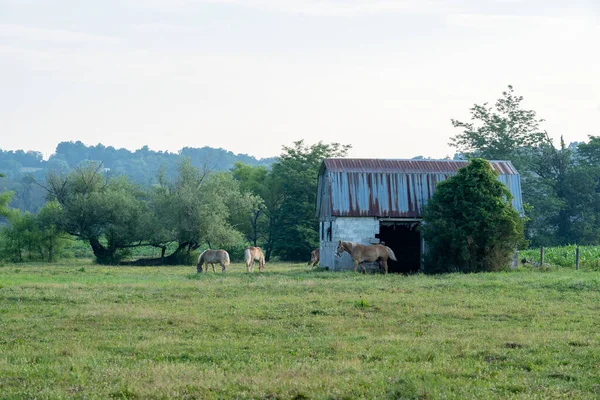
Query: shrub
[{"x": 470, "y": 224}]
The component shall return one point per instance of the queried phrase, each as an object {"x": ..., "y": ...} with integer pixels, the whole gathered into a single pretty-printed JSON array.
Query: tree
[
  {"x": 19, "y": 237},
  {"x": 293, "y": 222},
  {"x": 253, "y": 181},
  {"x": 51, "y": 238},
  {"x": 285, "y": 221},
  {"x": 196, "y": 210},
  {"x": 503, "y": 132},
  {"x": 106, "y": 214},
  {"x": 559, "y": 189},
  {"x": 470, "y": 224},
  {"x": 5, "y": 198}
]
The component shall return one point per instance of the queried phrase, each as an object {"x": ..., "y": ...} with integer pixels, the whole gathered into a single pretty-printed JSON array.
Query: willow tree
[
  {"x": 199, "y": 208},
  {"x": 108, "y": 214}
]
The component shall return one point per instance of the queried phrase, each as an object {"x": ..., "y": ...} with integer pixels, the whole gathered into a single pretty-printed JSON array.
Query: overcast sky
[{"x": 250, "y": 76}]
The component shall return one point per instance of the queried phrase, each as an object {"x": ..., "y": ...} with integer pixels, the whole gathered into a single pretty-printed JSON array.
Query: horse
[
  {"x": 252, "y": 254},
  {"x": 213, "y": 257},
  {"x": 314, "y": 257},
  {"x": 361, "y": 253}
]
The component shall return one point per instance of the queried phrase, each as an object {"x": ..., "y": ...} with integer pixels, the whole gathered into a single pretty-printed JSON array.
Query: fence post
[
  {"x": 541, "y": 256},
  {"x": 577, "y": 258}
]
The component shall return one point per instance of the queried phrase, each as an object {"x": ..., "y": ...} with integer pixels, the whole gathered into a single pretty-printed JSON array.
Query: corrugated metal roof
[
  {"x": 408, "y": 166},
  {"x": 392, "y": 188}
]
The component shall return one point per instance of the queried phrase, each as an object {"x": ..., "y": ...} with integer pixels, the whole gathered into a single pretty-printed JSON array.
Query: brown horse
[
  {"x": 252, "y": 254},
  {"x": 213, "y": 257},
  {"x": 314, "y": 257},
  {"x": 361, "y": 253}
]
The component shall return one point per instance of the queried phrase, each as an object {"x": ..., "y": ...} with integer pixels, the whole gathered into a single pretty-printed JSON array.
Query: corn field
[{"x": 564, "y": 256}]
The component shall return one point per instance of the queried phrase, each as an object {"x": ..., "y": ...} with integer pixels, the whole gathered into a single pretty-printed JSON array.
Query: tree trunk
[
  {"x": 174, "y": 258},
  {"x": 102, "y": 254},
  {"x": 50, "y": 252}
]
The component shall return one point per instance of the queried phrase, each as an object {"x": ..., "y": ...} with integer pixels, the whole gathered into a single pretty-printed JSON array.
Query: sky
[{"x": 251, "y": 76}]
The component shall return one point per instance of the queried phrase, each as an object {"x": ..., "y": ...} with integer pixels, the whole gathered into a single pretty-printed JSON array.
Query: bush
[{"x": 470, "y": 224}]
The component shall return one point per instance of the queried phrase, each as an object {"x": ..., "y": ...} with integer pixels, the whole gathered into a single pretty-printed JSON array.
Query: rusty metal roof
[
  {"x": 408, "y": 166},
  {"x": 392, "y": 188}
]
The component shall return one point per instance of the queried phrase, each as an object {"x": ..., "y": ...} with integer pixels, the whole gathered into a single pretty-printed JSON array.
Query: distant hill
[{"x": 140, "y": 166}]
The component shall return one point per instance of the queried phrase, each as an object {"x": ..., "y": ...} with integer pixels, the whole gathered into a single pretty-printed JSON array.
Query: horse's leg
[
  {"x": 213, "y": 265},
  {"x": 385, "y": 266},
  {"x": 222, "y": 266},
  {"x": 247, "y": 266},
  {"x": 355, "y": 265},
  {"x": 362, "y": 264}
]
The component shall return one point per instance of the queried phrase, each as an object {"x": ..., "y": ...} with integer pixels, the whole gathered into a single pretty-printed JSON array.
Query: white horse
[
  {"x": 252, "y": 254},
  {"x": 213, "y": 257}
]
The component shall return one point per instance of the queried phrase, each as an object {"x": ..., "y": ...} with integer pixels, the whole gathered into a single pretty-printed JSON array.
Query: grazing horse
[
  {"x": 252, "y": 254},
  {"x": 213, "y": 257},
  {"x": 361, "y": 253},
  {"x": 314, "y": 257}
]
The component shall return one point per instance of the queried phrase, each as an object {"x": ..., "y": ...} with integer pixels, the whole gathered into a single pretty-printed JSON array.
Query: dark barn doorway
[{"x": 404, "y": 238}]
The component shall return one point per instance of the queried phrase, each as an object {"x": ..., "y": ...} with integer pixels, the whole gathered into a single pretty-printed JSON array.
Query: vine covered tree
[{"x": 470, "y": 224}]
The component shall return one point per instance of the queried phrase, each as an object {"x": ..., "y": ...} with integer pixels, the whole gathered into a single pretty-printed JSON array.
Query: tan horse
[
  {"x": 314, "y": 257},
  {"x": 361, "y": 253},
  {"x": 252, "y": 254},
  {"x": 213, "y": 257}
]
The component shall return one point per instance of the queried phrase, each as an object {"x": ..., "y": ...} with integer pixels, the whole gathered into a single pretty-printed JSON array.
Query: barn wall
[{"x": 348, "y": 229}]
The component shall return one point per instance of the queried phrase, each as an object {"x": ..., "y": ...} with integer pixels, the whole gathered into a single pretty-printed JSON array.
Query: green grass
[{"x": 85, "y": 331}]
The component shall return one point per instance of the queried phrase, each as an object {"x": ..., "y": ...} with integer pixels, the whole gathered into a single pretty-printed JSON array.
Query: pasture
[{"x": 80, "y": 330}]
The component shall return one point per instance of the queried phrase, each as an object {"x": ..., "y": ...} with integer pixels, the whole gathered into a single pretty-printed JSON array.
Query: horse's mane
[
  {"x": 201, "y": 254},
  {"x": 352, "y": 245}
]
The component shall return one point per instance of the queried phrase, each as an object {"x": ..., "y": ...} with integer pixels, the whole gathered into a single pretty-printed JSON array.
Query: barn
[{"x": 381, "y": 200}]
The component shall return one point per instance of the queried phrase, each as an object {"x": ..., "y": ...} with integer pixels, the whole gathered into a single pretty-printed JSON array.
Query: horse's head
[{"x": 340, "y": 249}]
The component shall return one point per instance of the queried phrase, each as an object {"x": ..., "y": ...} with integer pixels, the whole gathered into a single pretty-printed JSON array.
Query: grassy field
[{"x": 83, "y": 331}]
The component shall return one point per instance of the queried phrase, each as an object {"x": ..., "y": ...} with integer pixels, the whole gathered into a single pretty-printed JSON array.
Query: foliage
[
  {"x": 503, "y": 132},
  {"x": 295, "y": 176},
  {"x": 284, "y": 221},
  {"x": 470, "y": 224},
  {"x": 52, "y": 239},
  {"x": 79, "y": 330},
  {"x": 199, "y": 208},
  {"x": 5, "y": 198},
  {"x": 18, "y": 239},
  {"x": 561, "y": 185},
  {"x": 564, "y": 256},
  {"x": 32, "y": 237},
  {"x": 107, "y": 214},
  {"x": 253, "y": 182},
  {"x": 141, "y": 166}
]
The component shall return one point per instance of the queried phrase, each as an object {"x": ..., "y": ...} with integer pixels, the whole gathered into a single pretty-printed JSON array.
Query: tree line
[
  {"x": 23, "y": 169},
  {"x": 198, "y": 208}
]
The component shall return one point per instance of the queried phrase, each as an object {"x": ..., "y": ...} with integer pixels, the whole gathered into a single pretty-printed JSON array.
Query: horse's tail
[
  {"x": 391, "y": 254},
  {"x": 247, "y": 256},
  {"x": 200, "y": 258},
  {"x": 226, "y": 259}
]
